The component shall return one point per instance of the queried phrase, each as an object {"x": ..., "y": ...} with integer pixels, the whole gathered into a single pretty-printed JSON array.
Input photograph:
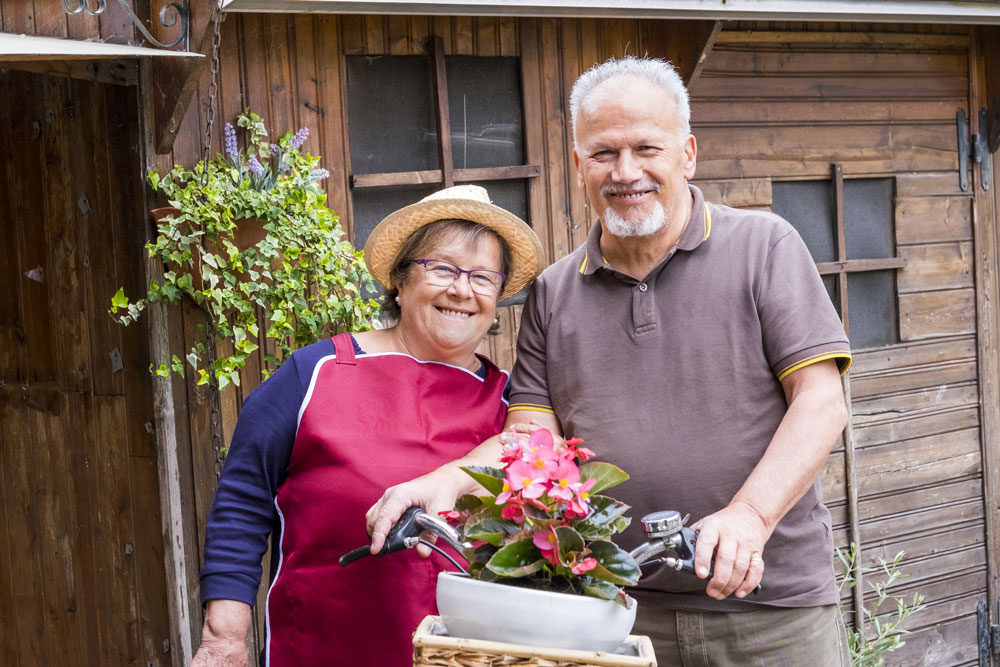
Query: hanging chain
[{"x": 218, "y": 443}]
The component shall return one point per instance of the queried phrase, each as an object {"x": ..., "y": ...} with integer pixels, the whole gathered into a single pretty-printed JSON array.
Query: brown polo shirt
[{"x": 676, "y": 379}]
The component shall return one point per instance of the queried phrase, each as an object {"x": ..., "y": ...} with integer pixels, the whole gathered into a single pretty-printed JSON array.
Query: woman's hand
[{"x": 224, "y": 634}]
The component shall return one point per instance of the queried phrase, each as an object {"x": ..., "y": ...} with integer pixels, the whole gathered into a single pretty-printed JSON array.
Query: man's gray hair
[{"x": 655, "y": 70}]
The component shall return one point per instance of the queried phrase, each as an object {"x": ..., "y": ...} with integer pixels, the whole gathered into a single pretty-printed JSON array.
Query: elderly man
[{"x": 693, "y": 345}]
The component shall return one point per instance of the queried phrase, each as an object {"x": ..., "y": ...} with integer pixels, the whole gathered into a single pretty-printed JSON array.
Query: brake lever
[{"x": 403, "y": 535}]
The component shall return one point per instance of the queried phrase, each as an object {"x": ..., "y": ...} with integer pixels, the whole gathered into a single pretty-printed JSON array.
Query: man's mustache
[{"x": 612, "y": 189}]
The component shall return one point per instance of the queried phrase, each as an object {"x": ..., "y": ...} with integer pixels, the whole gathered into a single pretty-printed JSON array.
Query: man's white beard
[{"x": 644, "y": 226}]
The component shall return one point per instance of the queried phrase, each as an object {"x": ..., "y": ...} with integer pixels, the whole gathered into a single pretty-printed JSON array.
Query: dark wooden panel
[
  {"x": 903, "y": 357},
  {"x": 905, "y": 404},
  {"x": 13, "y": 348},
  {"x": 858, "y": 85},
  {"x": 8, "y": 638},
  {"x": 936, "y": 375},
  {"x": 18, "y": 18},
  {"x": 508, "y": 36},
  {"x": 486, "y": 35},
  {"x": 916, "y": 512},
  {"x": 738, "y": 193},
  {"x": 399, "y": 35},
  {"x": 462, "y": 42},
  {"x": 279, "y": 43},
  {"x": 943, "y": 313},
  {"x": 931, "y": 219},
  {"x": 332, "y": 122},
  {"x": 557, "y": 151},
  {"x": 534, "y": 122},
  {"x": 918, "y": 426},
  {"x": 877, "y": 65},
  {"x": 928, "y": 185},
  {"x": 709, "y": 112},
  {"x": 843, "y": 39},
  {"x": 805, "y": 152},
  {"x": 50, "y": 20},
  {"x": 352, "y": 33},
  {"x": 952, "y": 643},
  {"x": 936, "y": 266}
]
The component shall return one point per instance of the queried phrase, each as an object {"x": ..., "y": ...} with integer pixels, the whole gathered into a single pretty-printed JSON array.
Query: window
[
  {"x": 848, "y": 227},
  {"x": 418, "y": 124}
]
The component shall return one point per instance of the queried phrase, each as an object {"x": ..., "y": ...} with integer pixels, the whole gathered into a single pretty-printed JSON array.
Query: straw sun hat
[{"x": 462, "y": 202}]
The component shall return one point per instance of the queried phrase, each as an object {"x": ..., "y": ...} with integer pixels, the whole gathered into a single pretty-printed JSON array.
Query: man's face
[{"x": 632, "y": 162}]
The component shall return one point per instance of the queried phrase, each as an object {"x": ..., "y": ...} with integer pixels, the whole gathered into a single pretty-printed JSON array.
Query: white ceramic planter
[{"x": 476, "y": 609}]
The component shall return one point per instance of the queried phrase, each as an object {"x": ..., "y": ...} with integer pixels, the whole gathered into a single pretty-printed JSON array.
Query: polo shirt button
[{"x": 643, "y": 287}]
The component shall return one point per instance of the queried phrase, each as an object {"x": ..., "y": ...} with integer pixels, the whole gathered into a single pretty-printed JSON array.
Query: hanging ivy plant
[{"x": 250, "y": 239}]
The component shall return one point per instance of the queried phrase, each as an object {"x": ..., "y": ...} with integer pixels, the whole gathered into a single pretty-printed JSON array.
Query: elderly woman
[{"x": 342, "y": 419}]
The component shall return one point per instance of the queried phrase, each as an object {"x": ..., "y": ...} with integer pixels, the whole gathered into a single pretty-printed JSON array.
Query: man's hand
[
  {"x": 737, "y": 534},
  {"x": 223, "y": 636}
]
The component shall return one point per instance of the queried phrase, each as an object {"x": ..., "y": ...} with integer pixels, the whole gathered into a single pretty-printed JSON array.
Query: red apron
[{"x": 367, "y": 423}]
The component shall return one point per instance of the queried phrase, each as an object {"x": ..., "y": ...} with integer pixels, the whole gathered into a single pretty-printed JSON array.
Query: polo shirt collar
[{"x": 696, "y": 232}]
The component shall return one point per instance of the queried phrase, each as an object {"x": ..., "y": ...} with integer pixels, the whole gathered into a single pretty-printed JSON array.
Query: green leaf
[
  {"x": 482, "y": 526},
  {"x": 491, "y": 479},
  {"x": 601, "y": 522},
  {"x": 468, "y": 502},
  {"x": 570, "y": 543},
  {"x": 606, "y": 474},
  {"x": 597, "y": 588},
  {"x": 119, "y": 300},
  {"x": 517, "y": 559},
  {"x": 613, "y": 564}
]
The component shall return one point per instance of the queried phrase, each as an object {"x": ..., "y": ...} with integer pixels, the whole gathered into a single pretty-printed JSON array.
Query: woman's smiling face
[{"x": 451, "y": 321}]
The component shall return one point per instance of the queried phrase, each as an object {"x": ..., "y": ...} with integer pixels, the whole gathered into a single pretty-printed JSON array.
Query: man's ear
[
  {"x": 579, "y": 175},
  {"x": 690, "y": 157}
]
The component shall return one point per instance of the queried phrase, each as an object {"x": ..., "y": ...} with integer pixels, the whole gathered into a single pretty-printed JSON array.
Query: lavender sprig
[
  {"x": 298, "y": 139},
  {"x": 256, "y": 168},
  {"x": 232, "y": 150},
  {"x": 318, "y": 175}
]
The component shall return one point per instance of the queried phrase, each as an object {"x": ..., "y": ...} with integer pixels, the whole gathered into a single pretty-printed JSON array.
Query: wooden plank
[
  {"x": 151, "y": 584},
  {"x": 952, "y": 643},
  {"x": 933, "y": 219},
  {"x": 859, "y": 86},
  {"x": 908, "y": 403},
  {"x": 922, "y": 461},
  {"x": 807, "y": 152},
  {"x": 8, "y": 614},
  {"x": 64, "y": 275},
  {"x": 116, "y": 25},
  {"x": 27, "y": 178},
  {"x": 936, "y": 266},
  {"x": 89, "y": 137},
  {"x": 13, "y": 351},
  {"x": 930, "y": 423},
  {"x": 446, "y": 162},
  {"x": 508, "y": 36},
  {"x": 928, "y": 546},
  {"x": 534, "y": 123},
  {"x": 351, "y": 33},
  {"x": 485, "y": 30},
  {"x": 927, "y": 185},
  {"x": 421, "y": 29},
  {"x": 572, "y": 68},
  {"x": 280, "y": 79},
  {"x": 463, "y": 43},
  {"x": 24, "y": 542},
  {"x": 557, "y": 152},
  {"x": 878, "y": 65},
  {"x": 859, "y": 265},
  {"x": 922, "y": 518},
  {"x": 878, "y": 360},
  {"x": 442, "y": 26},
  {"x": 18, "y": 18},
  {"x": 375, "y": 42},
  {"x": 116, "y": 549},
  {"x": 738, "y": 192},
  {"x": 882, "y": 41},
  {"x": 256, "y": 94},
  {"x": 50, "y": 20},
  {"x": 932, "y": 375},
  {"x": 941, "y": 313},
  {"x": 711, "y": 111},
  {"x": 398, "y": 35},
  {"x": 305, "y": 102},
  {"x": 332, "y": 121},
  {"x": 434, "y": 176}
]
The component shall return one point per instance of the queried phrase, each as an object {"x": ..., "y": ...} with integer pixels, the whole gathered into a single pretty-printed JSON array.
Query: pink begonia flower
[
  {"x": 450, "y": 515},
  {"x": 541, "y": 438},
  {"x": 514, "y": 511},
  {"x": 542, "y": 457},
  {"x": 527, "y": 479},
  {"x": 548, "y": 543},
  {"x": 563, "y": 478},
  {"x": 580, "y": 503},
  {"x": 586, "y": 565},
  {"x": 505, "y": 493}
]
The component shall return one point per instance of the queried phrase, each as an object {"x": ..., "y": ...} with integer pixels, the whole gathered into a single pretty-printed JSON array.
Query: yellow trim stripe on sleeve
[
  {"x": 708, "y": 222},
  {"x": 514, "y": 407},
  {"x": 816, "y": 358},
  {"x": 583, "y": 265}
]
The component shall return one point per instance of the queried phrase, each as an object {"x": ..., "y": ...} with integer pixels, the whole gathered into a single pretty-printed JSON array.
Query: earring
[
  {"x": 397, "y": 299},
  {"x": 496, "y": 320}
]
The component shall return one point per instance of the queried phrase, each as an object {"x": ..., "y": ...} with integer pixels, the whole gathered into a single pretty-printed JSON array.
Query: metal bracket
[
  {"x": 988, "y": 635},
  {"x": 170, "y": 14},
  {"x": 974, "y": 147},
  {"x": 981, "y": 152}
]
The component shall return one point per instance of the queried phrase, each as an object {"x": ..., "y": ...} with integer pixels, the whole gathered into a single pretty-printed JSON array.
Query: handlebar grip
[{"x": 354, "y": 555}]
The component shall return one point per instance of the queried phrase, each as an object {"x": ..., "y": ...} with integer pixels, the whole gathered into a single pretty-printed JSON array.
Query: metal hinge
[
  {"x": 975, "y": 147},
  {"x": 988, "y": 635}
]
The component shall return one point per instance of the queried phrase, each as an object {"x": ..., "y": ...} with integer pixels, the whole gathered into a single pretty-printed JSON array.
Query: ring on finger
[{"x": 756, "y": 557}]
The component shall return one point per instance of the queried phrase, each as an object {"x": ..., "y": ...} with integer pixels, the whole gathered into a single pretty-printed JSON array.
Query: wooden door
[{"x": 81, "y": 563}]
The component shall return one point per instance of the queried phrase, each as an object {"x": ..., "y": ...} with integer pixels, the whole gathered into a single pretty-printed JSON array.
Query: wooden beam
[
  {"x": 173, "y": 83},
  {"x": 443, "y": 114},
  {"x": 686, "y": 44},
  {"x": 434, "y": 176},
  {"x": 838, "y": 205},
  {"x": 990, "y": 42},
  {"x": 859, "y": 265},
  {"x": 124, "y": 72}
]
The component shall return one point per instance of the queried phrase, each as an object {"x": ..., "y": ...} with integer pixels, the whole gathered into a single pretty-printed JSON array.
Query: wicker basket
[{"x": 432, "y": 647}]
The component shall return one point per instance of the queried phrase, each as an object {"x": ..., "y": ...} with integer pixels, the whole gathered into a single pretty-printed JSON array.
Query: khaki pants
[{"x": 765, "y": 637}]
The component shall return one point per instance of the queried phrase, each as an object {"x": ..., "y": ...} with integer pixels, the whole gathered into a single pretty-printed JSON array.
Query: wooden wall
[
  {"x": 772, "y": 102},
  {"x": 81, "y": 561}
]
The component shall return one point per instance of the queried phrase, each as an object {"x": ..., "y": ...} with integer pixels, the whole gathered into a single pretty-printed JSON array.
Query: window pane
[
  {"x": 390, "y": 114},
  {"x": 484, "y": 103},
  {"x": 373, "y": 204},
  {"x": 808, "y": 206},
  {"x": 872, "y": 302},
  {"x": 868, "y": 218},
  {"x": 513, "y": 196}
]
